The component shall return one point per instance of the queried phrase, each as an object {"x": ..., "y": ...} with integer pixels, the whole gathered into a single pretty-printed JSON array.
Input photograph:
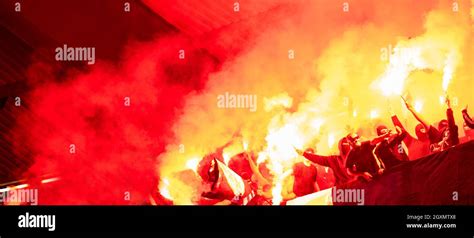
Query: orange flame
[
  {"x": 374, "y": 114},
  {"x": 331, "y": 140},
  {"x": 245, "y": 145},
  {"x": 192, "y": 164},
  {"x": 448, "y": 70},
  {"x": 164, "y": 189},
  {"x": 418, "y": 105},
  {"x": 442, "y": 100}
]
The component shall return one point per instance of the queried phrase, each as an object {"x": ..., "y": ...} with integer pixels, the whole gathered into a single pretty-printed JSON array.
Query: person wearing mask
[
  {"x": 390, "y": 151},
  {"x": 335, "y": 162},
  {"x": 418, "y": 146},
  {"x": 427, "y": 134},
  {"x": 361, "y": 161},
  {"x": 467, "y": 119},
  {"x": 449, "y": 135}
]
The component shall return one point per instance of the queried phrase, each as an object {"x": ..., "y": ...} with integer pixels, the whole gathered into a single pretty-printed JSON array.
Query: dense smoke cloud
[
  {"x": 100, "y": 131},
  {"x": 330, "y": 82},
  {"x": 325, "y": 91}
]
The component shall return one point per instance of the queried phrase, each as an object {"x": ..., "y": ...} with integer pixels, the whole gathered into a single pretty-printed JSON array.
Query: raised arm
[
  {"x": 398, "y": 137},
  {"x": 449, "y": 112},
  {"x": 261, "y": 180},
  {"x": 453, "y": 129},
  {"x": 318, "y": 159},
  {"x": 417, "y": 115},
  {"x": 407, "y": 137},
  {"x": 397, "y": 122},
  {"x": 379, "y": 139},
  {"x": 467, "y": 119}
]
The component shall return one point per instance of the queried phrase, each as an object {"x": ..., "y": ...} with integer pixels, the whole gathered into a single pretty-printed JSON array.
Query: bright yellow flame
[
  {"x": 226, "y": 158},
  {"x": 393, "y": 81},
  {"x": 317, "y": 123},
  {"x": 448, "y": 71},
  {"x": 245, "y": 145},
  {"x": 403, "y": 61},
  {"x": 442, "y": 99},
  {"x": 374, "y": 114},
  {"x": 288, "y": 128},
  {"x": 192, "y": 164},
  {"x": 276, "y": 193},
  {"x": 331, "y": 140},
  {"x": 262, "y": 157},
  {"x": 165, "y": 183},
  {"x": 418, "y": 105},
  {"x": 281, "y": 142},
  {"x": 277, "y": 169}
]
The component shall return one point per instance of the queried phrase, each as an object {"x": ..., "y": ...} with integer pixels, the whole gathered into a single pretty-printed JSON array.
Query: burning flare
[
  {"x": 418, "y": 105},
  {"x": 164, "y": 189},
  {"x": 192, "y": 164},
  {"x": 448, "y": 70},
  {"x": 303, "y": 109}
]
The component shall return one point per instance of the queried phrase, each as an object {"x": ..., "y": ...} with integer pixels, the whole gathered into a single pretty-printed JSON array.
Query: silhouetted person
[
  {"x": 467, "y": 119},
  {"x": 390, "y": 150},
  {"x": 448, "y": 131},
  {"x": 336, "y": 162},
  {"x": 361, "y": 160},
  {"x": 417, "y": 147},
  {"x": 305, "y": 175}
]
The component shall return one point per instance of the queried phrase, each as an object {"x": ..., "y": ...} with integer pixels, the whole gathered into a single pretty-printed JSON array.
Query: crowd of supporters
[{"x": 244, "y": 182}]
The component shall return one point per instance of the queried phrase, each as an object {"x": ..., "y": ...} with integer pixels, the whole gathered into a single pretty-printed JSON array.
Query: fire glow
[
  {"x": 301, "y": 97},
  {"x": 418, "y": 105},
  {"x": 164, "y": 189},
  {"x": 286, "y": 129}
]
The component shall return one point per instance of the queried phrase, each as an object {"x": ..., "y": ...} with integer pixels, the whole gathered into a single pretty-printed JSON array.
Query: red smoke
[{"x": 116, "y": 146}]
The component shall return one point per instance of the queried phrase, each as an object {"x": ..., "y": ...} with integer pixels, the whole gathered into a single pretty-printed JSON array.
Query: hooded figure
[
  {"x": 382, "y": 129},
  {"x": 361, "y": 160},
  {"x": 467, "y": 119},
  {"x": 443, "y": 125},
  {"x": 390, "y": 151},
  {"x": 336, "y": 162},
  {"x": 448, "y": 133},
  {"x": 421, "y": 133},
  {"x": 417, "y": 147}
]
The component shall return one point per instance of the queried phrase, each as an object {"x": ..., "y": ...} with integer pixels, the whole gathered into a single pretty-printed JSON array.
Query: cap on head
[
  {"x": 352, "y": 137},
  {"x": 420, "y": 131},
  {"x": 344, "y": 146},
  {"x": 382, "y": 129},
  {"x": 442, "y": 125}
]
